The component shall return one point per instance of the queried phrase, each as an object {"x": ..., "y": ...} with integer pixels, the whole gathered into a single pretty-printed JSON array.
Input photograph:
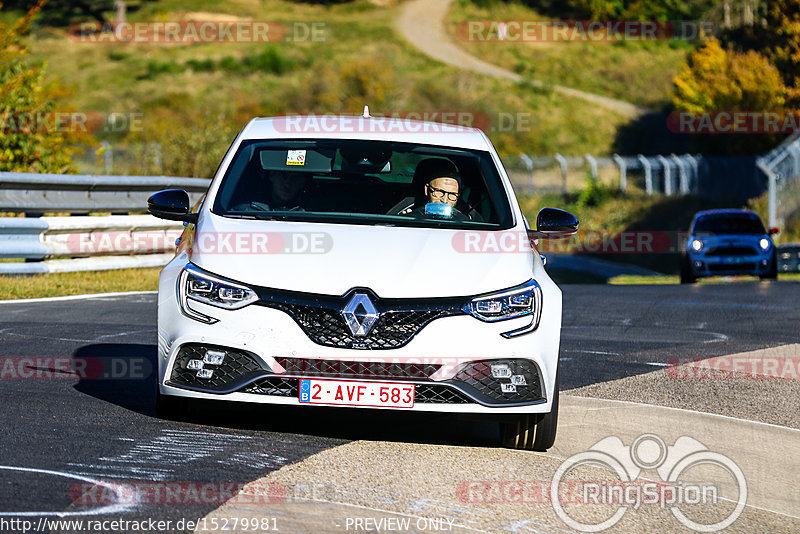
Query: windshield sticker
[{"x": 296, "y": 157}]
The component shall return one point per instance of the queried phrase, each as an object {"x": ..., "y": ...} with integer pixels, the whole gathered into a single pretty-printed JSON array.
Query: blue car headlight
[{"x": 764, "y": 244}]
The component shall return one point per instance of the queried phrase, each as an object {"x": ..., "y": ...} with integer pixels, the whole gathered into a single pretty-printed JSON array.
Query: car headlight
[
  {"x": 196, "y": 284},
  {"x": 520, "y": 301},
  {"x": 764, "y": 244},
  {"x": 697, "y": 245}
]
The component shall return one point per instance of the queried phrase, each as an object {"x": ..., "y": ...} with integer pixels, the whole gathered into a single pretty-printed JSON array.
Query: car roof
[
  {"x": 727, "y": 211},
  {"x": 360, "y": 127}
]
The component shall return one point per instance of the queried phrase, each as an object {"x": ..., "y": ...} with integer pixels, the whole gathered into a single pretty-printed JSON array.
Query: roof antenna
[{"x": 366, "y": 113}]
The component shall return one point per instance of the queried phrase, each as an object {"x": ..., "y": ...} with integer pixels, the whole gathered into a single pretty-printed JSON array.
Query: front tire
[
  {"x": 532, "y": 432},
  {"x": 169, "y": 406},
  {"x": 773, "y": 270},
  {"x": 686, "y": 271}
]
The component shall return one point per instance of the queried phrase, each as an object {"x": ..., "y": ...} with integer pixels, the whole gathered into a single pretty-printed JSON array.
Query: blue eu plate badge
[{"x": 305, "y": 390}]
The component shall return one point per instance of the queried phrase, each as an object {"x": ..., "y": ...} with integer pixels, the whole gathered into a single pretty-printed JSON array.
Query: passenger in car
[{"x": 286, "y": 189}]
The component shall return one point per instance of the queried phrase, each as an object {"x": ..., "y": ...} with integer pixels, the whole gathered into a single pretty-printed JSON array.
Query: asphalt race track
[{"x": 83, "y": 431}]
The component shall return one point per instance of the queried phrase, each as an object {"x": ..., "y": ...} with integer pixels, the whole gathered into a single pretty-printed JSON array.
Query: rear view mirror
[{"x": 774, "y": 231}]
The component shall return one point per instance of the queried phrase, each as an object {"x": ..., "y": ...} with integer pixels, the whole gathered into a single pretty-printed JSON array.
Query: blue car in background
[{"x": 728, "y": 242}]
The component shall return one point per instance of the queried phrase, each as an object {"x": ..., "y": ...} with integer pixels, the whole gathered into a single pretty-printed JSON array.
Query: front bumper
[
  {"x": 455, "y": 351},
  {"x": 701, "y": 265}
]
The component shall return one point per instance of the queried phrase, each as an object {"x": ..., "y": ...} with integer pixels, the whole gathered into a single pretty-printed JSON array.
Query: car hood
[{"x": 394, "y": 262}]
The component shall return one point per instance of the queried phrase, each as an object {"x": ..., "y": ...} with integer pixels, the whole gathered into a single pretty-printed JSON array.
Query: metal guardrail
[
  {"x": 789, "y": 258},
  {"x": 781, "y": 166},
  {"x": 672, "y": 174},
  {"x": 31, "y": 193},
  {"x": 84, "y": 243},
  {"x": 90, "y": 243}
]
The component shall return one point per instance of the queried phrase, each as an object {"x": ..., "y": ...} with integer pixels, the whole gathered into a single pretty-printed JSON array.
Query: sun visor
[{"x": 302, "y": 160}]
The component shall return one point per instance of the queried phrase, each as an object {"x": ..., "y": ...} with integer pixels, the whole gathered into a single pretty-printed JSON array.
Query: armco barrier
[
  {"x": 75, "y": 193},
  {"x": 90, "y": 243},
  {"x": 84, "y": 243}
]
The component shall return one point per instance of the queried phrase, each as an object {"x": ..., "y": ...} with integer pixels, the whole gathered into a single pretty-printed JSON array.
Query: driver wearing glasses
[{"x": 442, "y": 189}]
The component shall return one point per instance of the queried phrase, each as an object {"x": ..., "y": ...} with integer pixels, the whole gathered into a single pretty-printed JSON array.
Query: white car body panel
[{"x": 393, "y": 262}]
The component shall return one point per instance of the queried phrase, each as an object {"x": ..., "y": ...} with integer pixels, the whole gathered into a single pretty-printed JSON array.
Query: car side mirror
[
  {"x": 553, "y": 223},
  {"x": 171, "y": 204},
  {"x": 774, "y": 231}
]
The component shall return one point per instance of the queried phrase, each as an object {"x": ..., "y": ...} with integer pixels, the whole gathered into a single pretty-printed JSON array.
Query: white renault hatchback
[{"x": 363, "y": 262}]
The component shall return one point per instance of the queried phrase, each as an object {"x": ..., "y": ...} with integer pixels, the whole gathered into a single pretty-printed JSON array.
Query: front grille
[
  {"x": 275, "y": 386},
  {"x": 732, "y": 251},
  {"x": 731, "y": 267},
  {"x": 399, "y": 320},
  {"x": 439, "y": 394},
  {"x": 237, "y": 368},
  {"x": 356, "y": 369},
  {"x": 477, "y": 380},
  {"x": 423, "y": 393}
]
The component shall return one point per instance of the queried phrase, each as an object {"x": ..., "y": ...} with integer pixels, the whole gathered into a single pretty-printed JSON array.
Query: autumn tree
[
  {"x": 29, "y": 142},
  {"x": 715, "y": 79}
]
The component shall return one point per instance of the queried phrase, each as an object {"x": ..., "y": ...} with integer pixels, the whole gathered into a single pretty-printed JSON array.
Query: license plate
[{"x": 356, "y": 393}]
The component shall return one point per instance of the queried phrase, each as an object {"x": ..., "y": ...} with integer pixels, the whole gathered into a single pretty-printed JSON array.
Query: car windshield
[
  {"x": 730, "y": 224},
  {"x": 364, "y": 182}
]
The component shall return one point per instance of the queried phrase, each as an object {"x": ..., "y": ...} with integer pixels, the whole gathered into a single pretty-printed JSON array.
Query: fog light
[
  {"x": 194, "y": 365},
  {"x": 698, "y": 264},
  {"x": 519, "y": 380},
  {"x": 205, "y": 373},
  {"x": 508, "y": 388},
  {"x": 214, "y": 357},
  {"x": 763, "y": 263},
  {"x": 501, "y": 371}
]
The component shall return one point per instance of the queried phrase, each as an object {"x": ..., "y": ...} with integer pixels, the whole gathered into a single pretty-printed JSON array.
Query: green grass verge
[
  {"x": 627, "y": 279},
  {"x": 637, "y": 72},
  {"x": 62, "y": 284},
  {"x": 214, "y": 88}
]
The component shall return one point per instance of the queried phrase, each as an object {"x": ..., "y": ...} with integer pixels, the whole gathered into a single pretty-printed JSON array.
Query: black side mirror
[
  {"x": 171, "y": 204},
  {"x": 552, "y": 222}
]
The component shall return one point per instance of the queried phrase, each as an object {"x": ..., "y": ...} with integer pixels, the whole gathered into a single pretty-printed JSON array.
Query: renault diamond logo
[{"x": 360, "y": 314}]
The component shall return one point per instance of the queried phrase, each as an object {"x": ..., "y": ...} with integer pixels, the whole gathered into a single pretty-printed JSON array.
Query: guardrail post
[
  {"x": 156, "y": 155},
  {"x": 648, "y": 174},
  {"x": 528, "y": 162},
  {"x": 772, "y": 196},
  {"x": 667, "y": 174},
  {"x": 623, "y": 172},
  {"x": 563, "y": 162},
  {"x": 592, "y": 165},
  {"x": 108, "y": 157},
  {"x": 683, "y": 177}
]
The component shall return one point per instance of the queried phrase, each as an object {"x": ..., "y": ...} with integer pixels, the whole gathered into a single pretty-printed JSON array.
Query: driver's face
[
  {"x": 285, "y": 185},
  {"x": 443, "y": 190}
]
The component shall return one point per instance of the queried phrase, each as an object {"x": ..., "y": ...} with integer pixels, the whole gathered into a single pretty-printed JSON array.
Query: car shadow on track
[{"x": 125, "y": 375}]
